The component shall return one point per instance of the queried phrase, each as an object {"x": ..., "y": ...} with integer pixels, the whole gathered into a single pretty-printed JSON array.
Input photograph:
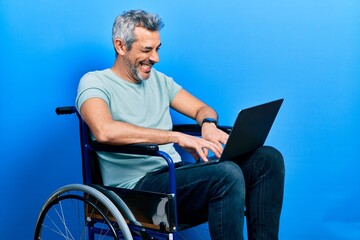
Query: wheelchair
[{"x": 94, "y": 211}]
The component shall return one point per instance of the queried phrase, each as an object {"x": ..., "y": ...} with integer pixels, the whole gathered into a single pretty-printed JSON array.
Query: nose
[{"x": 154, "y": 57}]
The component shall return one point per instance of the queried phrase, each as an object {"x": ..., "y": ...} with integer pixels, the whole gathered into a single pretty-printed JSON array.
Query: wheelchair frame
[{"x": 117, "y": 213}]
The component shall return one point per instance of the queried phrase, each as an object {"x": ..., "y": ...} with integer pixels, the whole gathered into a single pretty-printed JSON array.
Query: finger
[
  {"x": 218, "y": 142},
  {"x": 195, "y": 156},
  {"x": 200, "y": 151},
  {"x": 205, "y": 151},
  {"x": 219, "y": 147},
  {"x": 223, "y": 137},
  {"x": 216, "y": 148}
]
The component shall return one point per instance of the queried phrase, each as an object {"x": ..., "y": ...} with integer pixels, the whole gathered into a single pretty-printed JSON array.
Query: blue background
[{"x": 231, "y": 54}]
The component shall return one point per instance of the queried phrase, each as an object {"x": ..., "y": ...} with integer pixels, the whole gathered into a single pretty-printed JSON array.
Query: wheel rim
[{"x": 71, "y": 215}]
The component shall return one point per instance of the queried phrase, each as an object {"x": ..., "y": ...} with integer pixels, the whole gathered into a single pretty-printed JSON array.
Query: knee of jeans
[
  {"x": 233, "y": 176},
  {"x": 272, "y": 159}
]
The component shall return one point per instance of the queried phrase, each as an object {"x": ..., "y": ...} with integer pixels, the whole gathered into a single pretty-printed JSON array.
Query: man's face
[{"x": 143, "y": 54}]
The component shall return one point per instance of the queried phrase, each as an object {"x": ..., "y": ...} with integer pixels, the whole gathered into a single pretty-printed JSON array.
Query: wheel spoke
[
  {"x": 57, "y": 230},
  {"x": 62, "y": 218},
  {"x": 72, "y": 210}
]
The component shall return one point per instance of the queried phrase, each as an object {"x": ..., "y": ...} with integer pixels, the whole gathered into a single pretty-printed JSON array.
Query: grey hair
[{"x": 125, "y": 24}]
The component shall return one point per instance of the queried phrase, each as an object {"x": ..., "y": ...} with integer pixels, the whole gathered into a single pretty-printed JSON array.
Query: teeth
[{"x": 146, "y": 67}]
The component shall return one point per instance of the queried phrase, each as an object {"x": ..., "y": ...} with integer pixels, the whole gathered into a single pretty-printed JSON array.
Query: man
[{"x": 130, "y": 102}]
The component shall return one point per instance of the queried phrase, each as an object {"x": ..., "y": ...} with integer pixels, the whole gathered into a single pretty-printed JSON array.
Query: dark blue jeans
[{"x": 218, "y": 193}]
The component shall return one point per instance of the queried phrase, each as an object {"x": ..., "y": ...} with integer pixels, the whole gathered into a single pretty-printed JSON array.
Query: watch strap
[{"x": 209, "y": 120}]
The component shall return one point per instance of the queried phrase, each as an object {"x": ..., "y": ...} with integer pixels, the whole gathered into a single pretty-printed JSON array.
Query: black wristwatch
[{"x": 209, "y": 120}]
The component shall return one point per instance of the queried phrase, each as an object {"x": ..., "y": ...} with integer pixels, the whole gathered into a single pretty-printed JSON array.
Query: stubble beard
[{"x": 135, "y": 72}]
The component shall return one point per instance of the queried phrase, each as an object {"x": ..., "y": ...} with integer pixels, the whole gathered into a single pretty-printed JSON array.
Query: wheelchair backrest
[{"x": 90, "y": 163}]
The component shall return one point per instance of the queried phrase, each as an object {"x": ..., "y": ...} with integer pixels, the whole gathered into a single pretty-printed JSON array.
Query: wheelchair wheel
[{"x": 80, "y": 212}]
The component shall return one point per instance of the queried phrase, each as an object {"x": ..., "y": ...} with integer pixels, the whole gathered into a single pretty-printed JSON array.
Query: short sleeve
[
  {"x": 173, "y": 88},
  {"x": 90, "y": 86}
]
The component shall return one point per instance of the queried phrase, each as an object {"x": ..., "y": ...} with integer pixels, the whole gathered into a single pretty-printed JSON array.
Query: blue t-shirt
[{"x": 145, "y": 104}]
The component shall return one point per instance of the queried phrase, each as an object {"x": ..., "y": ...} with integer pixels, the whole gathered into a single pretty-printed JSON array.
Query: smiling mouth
[{"x": 146, "y": 66}]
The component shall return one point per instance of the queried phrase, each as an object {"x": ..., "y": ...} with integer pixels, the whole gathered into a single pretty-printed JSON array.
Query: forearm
[
  {"x": 120, "y": 133},
  {"x": 192, "y": 107},
  {"x": 205, "y": 112},
  {"x": 133, "y": 134}
]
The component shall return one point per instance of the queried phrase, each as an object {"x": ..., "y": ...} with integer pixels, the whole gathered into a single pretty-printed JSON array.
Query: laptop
[{"x": 249, "y": 132}]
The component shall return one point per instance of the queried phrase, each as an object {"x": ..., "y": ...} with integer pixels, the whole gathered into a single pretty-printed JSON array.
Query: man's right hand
[{"x": 197, "y": 147}]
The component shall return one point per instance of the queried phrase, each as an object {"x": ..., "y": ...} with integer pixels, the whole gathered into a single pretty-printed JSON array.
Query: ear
[{"x": 120, "y": 46}]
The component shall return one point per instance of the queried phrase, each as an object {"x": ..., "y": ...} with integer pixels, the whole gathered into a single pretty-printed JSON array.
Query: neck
[{"x": 122, "y": 72}]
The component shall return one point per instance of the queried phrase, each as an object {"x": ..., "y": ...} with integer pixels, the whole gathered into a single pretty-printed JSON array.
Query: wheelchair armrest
[
  {"x": 187, "y": 128},
  {"x": 139, "y": 148},
  {"x": 65, "y": 110},
  {"x": 195, "y": 129}
]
